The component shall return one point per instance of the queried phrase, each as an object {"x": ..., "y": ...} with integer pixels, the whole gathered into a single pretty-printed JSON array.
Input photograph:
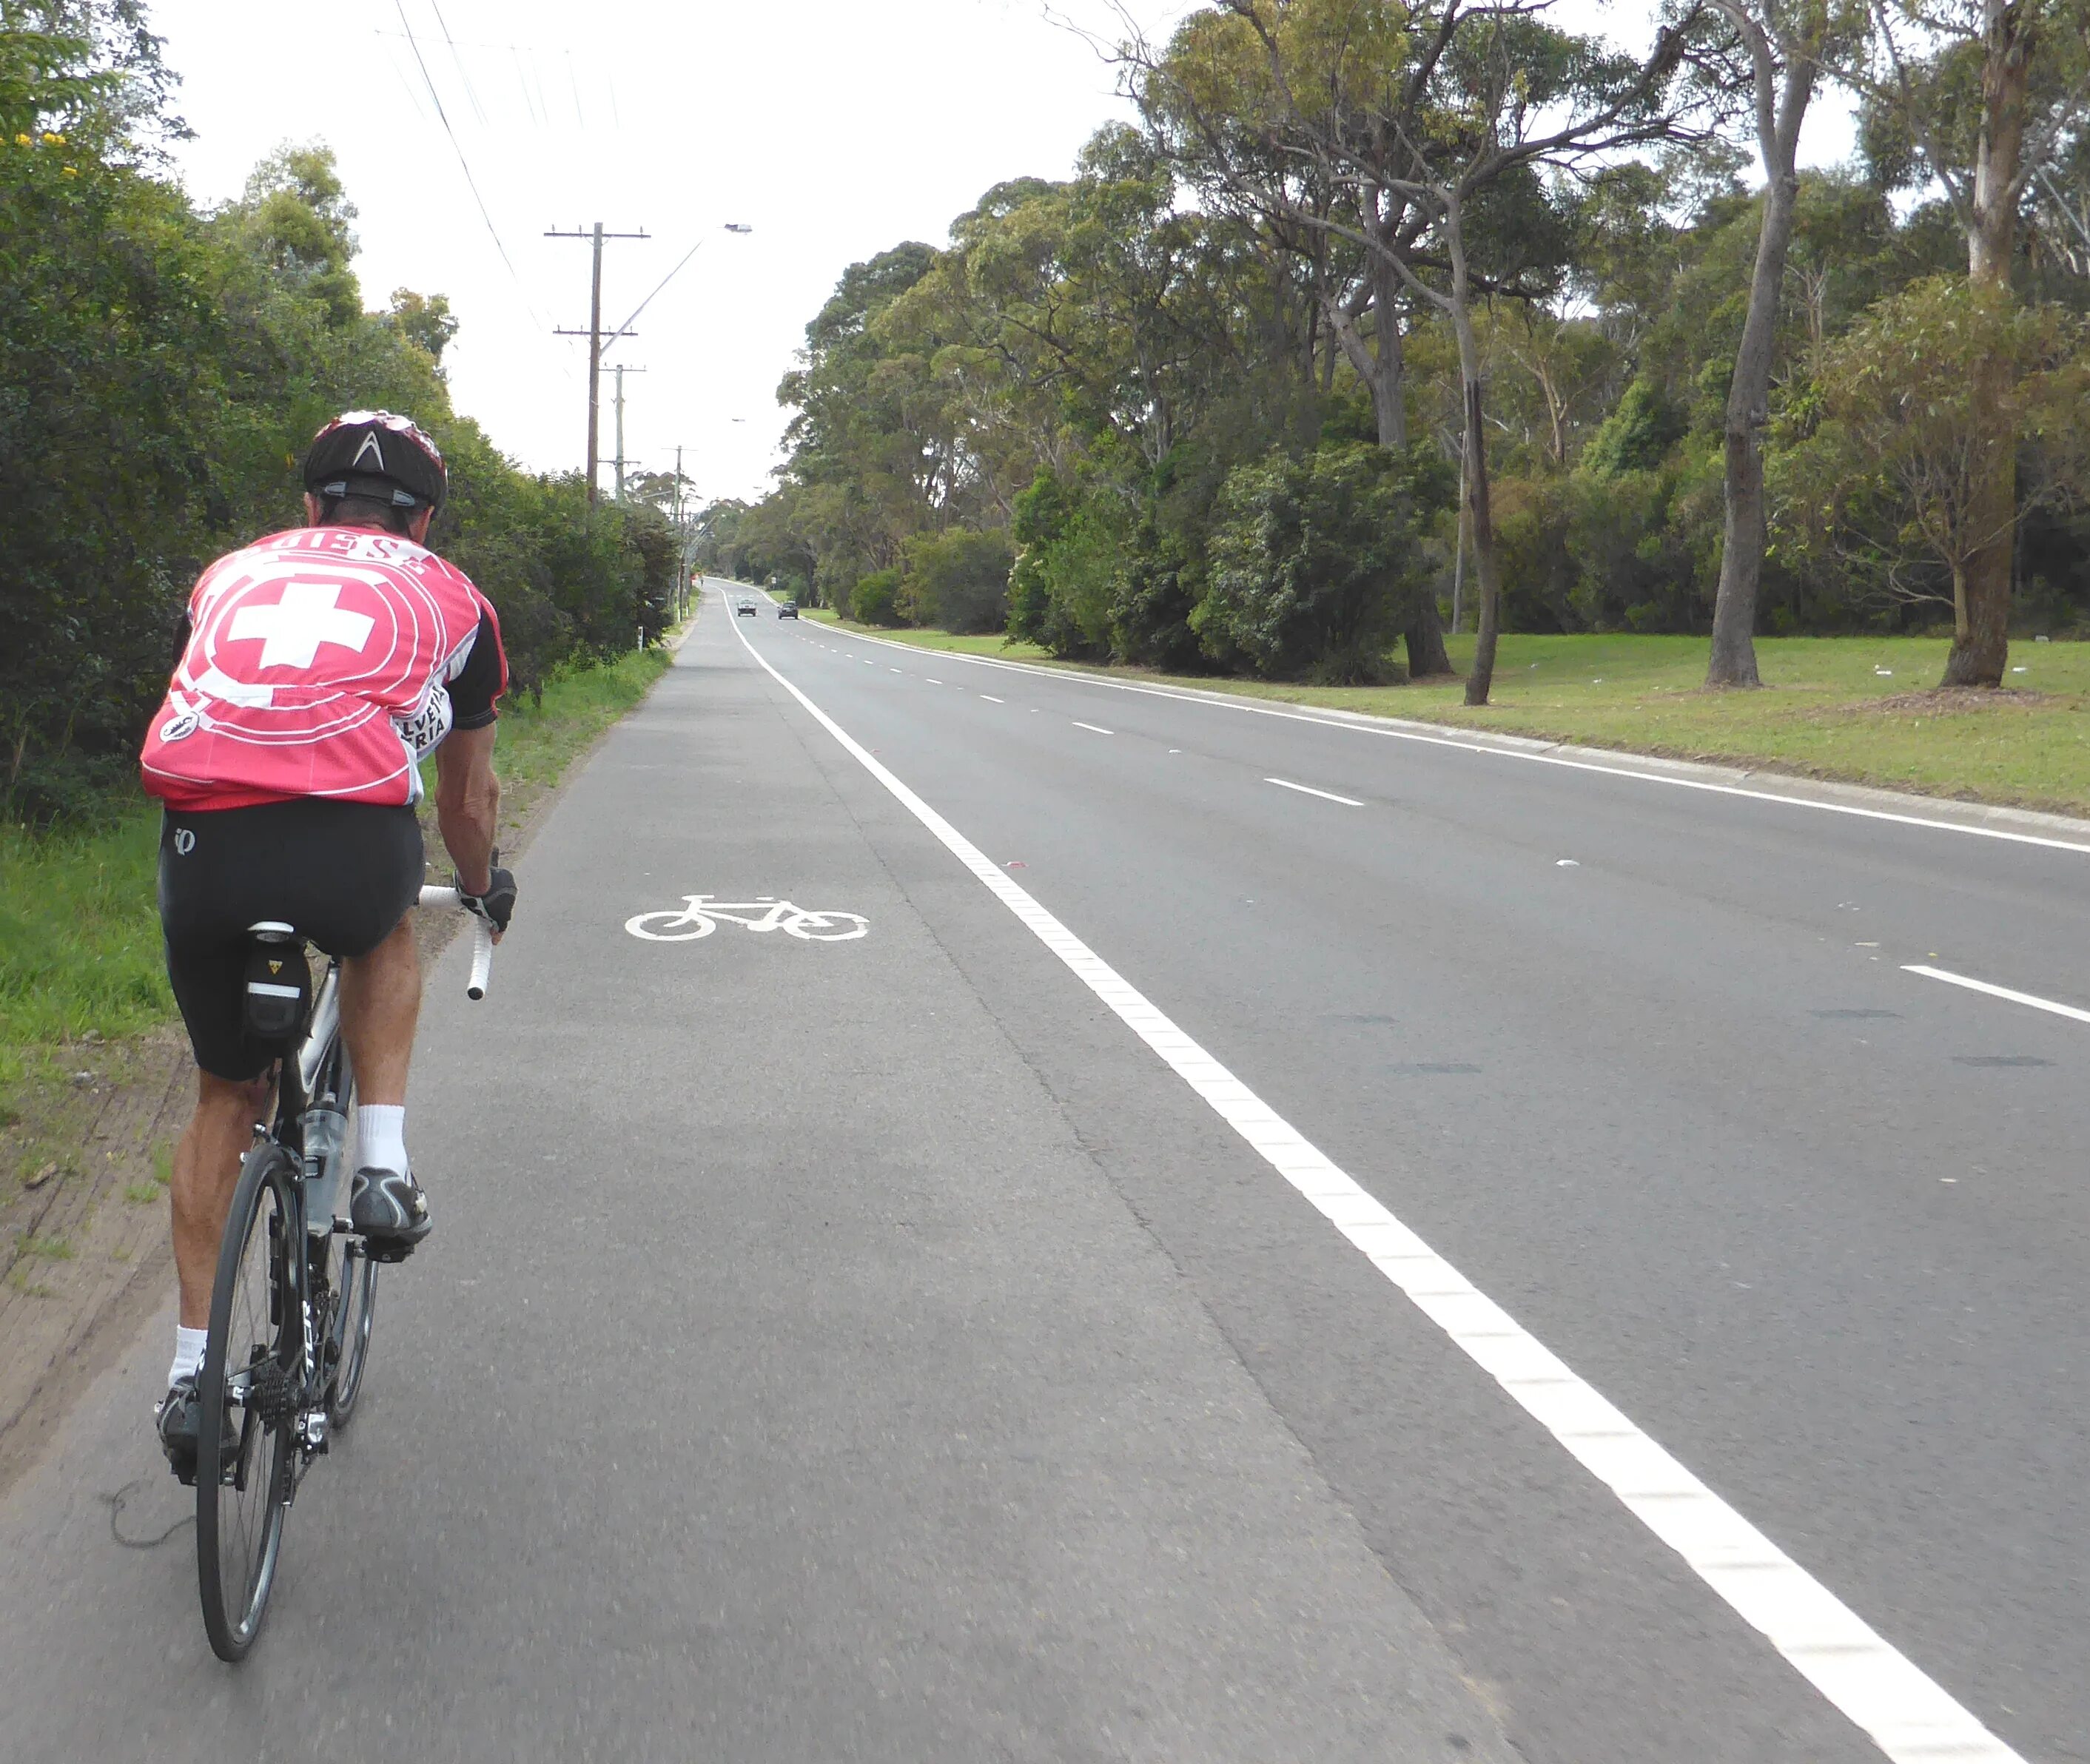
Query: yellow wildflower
[
  {"x": 55, "y": 140},
  {"x": 23, "y": 140}
]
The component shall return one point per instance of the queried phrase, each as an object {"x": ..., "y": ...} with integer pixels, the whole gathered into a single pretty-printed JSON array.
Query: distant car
[
  {"x": 746, "y": 609},
  {"x": 787, "y": 609}
]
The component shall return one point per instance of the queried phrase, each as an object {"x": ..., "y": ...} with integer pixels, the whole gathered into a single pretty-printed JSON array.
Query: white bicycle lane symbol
[{"x": 700, "y": 915}]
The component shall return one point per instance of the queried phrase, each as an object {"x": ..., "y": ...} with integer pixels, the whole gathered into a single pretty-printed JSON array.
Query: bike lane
[{"x": 786, "y": 1378}]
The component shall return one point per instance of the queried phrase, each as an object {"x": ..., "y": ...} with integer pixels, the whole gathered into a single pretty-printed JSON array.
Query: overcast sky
[{"x": 834, "y": 128}]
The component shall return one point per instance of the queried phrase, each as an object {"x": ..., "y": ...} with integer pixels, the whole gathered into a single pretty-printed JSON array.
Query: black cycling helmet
[{"x": 376, "y": 454}]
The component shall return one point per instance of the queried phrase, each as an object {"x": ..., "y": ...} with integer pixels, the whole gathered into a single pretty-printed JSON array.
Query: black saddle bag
[{"x": 278, "y": 989}]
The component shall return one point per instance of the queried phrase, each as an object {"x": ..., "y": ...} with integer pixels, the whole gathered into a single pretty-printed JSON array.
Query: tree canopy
[{"x": 1139, "y": 375}]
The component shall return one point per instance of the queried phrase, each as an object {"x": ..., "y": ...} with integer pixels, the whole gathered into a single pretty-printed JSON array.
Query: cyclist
[{"x": 318, "y": 667}]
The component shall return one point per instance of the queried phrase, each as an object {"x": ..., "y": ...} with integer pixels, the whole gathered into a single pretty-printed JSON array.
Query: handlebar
[{"x": 482, "y": 938}]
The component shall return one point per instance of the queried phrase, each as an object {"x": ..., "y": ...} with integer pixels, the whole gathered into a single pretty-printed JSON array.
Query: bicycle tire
[
  {"x": 802, "y": 926},
  {"x": 355, "y": 1305},
  {"x": 255, "y": 1326},
  {"x": 705, "y": 926}
]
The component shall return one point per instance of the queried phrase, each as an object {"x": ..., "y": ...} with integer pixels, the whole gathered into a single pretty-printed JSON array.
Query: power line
[
  {"x": 458, "y": 148},
  {"x": 731, "y": 226},
  {"x": 458, "y": 61}
]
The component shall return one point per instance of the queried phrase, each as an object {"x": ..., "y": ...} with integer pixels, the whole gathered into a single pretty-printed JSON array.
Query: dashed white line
[
  {"x": 1094, "y": 728},
  {"x": 1993, "y": 991},
  {"x": 991, "y": 698},
  {"x": 1308, "y": 790},
  {"x": 1911, "y": 1717},
  {"x": 932, "y": 679},
  {"x": 892, "y": 670},
  {"x": 1422, "y": 734}
]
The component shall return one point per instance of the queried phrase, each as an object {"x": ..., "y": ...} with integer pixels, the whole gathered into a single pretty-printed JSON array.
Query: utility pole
[
  {"x": 681, "y": 544},
  {"x": 621, "y": 370},
  {"x": 593, "y": 333}
]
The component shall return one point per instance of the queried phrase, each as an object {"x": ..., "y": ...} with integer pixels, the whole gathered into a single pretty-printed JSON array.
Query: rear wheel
[{"x": 249, "y": 1393}]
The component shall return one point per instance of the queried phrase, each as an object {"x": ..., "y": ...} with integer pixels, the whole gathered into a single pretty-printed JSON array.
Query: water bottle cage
[{"x": 278, "y": 988}]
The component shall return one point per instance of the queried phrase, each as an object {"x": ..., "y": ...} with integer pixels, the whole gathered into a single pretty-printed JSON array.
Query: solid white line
[
  {"x": 991, "y": 699},
  {"x": 1288, "y": 714},
  {"x": 2033, "y": 999},
  {"x": 1308, "y": 790},
  {"x": 1911, "y": 1717},
  {"x": 1094, "y": 728}
]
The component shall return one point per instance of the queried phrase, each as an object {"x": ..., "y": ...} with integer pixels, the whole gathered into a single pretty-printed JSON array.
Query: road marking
[
  {"x": 2033, "y": 999},
  {"x": 1094, "y": 728},
  {"x": 991, "y": 698},
  {"x": 892, "y": 670},
  {"x": 700, "y": 915},
  {"x": 1911, "y": 1717},
  {"x": 1249, "y": 707},
  {"x": 1308, "y": 790}
]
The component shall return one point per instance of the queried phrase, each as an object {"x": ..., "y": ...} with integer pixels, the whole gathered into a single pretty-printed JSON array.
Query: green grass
[
  {"x": 79, "y": 936},
  {"x": 79, "y": 931},
  {"x": 1825, "y": 711}
]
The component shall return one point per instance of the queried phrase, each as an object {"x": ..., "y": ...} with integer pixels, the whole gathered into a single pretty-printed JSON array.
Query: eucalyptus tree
[
  {"x": 1982, "y": 96},
  {"x": 1455, "y": 115},
  {"x": 1218, "y": 100},
  {"x": 1786, "y": 45}
]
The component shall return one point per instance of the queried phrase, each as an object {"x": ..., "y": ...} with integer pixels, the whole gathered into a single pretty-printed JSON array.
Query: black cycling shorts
[{"x": 343, "y": 873}]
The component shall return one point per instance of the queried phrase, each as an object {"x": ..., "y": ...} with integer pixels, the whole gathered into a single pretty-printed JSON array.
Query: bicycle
[
  {"x": 700, "y": 915},
  {"x": 295, "y": 1296}
]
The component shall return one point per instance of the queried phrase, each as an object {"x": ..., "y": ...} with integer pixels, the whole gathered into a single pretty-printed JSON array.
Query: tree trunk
[
  {"x": 1486, "y": 562},
  {"x": 1981, "y": 626},
  {"x": 1424, "y": 633},
  {"x": 1733, "y": 660},
  {"x": 1390, "y": 366}
]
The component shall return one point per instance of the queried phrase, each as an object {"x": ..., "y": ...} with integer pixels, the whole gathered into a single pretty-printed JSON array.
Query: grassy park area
[{"x": 1861, "y": 709}]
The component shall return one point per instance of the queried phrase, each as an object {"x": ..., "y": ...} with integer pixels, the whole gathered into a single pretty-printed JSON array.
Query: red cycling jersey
[{"x": 318, "y": 664}]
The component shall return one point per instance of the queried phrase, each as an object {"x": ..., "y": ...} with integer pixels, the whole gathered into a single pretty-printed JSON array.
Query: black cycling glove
[{"x": 496, "y": 906}]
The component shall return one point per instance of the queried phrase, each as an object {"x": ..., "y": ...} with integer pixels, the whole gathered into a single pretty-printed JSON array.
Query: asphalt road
[{"x": 875, "y": 1349}]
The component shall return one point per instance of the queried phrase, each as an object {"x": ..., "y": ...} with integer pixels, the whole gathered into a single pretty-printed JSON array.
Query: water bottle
[{"x": 326, "y": 1132}]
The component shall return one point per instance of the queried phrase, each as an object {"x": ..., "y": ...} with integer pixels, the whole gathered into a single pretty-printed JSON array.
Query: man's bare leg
[
  {"x": 206, "y": 1171},
  {"x": 380, "y": 1003}
]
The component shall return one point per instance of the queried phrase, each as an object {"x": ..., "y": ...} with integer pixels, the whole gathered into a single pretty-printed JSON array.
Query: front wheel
[
  {"x": 826, "y": 927},
  {"x": 355, "y": 1305},
  {"x": 249, "y": 1390}
]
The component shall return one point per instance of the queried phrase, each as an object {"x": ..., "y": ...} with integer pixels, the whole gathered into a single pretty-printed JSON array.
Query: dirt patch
[
  {"x": 1948, "y": 700},
  {"x": 84, "y": 1254}
]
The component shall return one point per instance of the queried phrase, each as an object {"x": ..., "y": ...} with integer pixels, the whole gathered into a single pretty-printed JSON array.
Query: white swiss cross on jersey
[
  {"x": 316, "y": 665},
  {"x": 308, "y": 615}
]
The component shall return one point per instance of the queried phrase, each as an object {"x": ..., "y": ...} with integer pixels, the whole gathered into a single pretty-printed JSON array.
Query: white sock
[
  {"x": 381, "y": 1136},
  {"x": 188, "y": 1353}
]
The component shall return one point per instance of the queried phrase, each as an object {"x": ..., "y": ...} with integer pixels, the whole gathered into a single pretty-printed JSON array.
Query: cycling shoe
[{"x": 387, "y": 1207}]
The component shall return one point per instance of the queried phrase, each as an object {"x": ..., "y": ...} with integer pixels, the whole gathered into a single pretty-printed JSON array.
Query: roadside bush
[
  {"x": 1064, "y": 584},
  {"x": 957, "y": 579},
  {"x": 872, "y": 601},
  {"x": 1316, "y": 566}
]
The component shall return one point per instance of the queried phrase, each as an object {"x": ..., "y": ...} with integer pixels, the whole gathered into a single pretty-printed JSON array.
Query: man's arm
[{"x": 468, "y": 804}]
